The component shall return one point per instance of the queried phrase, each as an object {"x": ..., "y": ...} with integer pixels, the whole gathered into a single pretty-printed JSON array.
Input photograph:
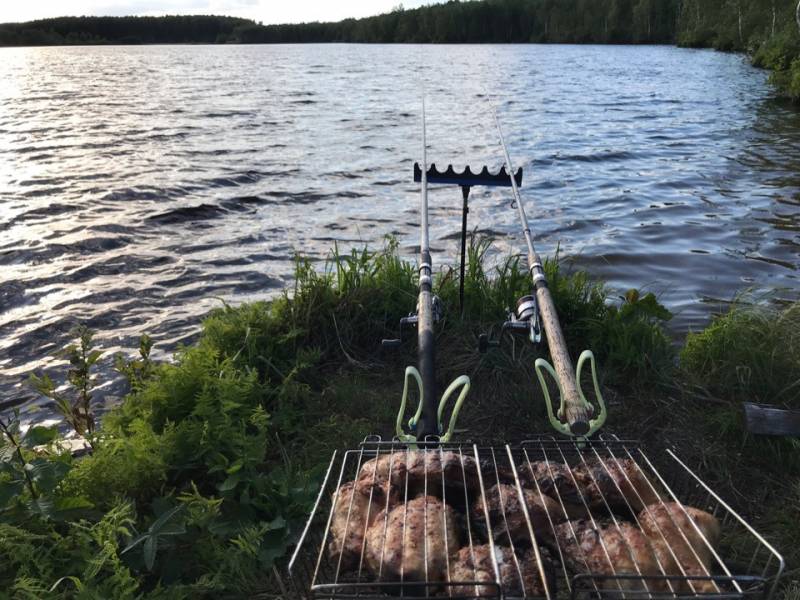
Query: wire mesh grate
[{"x": 546, "y": 518}]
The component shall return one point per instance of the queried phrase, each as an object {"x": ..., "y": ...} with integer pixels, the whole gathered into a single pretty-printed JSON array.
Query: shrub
[
  {"x": 632, "y": 341},
  {"x": 777, "y": 53},
  {"x": 133, "y": 466}
]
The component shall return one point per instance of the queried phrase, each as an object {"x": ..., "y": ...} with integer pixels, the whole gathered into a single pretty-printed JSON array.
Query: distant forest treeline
[
  {"x": 725, "y": 24},
  {"x": 766, "y": 29},
  {"x": 497, "y": 21},
  {"x": 475, "y": 21},
  {"x": 195, "y": 29}
]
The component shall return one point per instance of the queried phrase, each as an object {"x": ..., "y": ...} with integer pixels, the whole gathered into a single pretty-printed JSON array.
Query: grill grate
[{"x": 543, "y": 519}]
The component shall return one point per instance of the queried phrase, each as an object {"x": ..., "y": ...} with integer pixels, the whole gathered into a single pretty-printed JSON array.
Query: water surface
[{"x": 139, "y": 186}]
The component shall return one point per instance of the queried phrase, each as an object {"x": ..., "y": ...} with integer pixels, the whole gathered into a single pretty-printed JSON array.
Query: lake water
[{"x": 140, "y": 186}]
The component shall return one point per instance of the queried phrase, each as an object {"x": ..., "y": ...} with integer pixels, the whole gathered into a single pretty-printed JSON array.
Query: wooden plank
[{"x": 771, "y": 420}]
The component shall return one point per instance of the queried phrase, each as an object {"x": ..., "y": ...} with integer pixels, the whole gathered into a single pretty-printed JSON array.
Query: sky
[{"x": 267, "y": 11}]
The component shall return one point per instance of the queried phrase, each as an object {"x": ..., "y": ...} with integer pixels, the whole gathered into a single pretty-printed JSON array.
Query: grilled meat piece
[
  {"x": 385, "y": 468},
  {"x": 418, "y": 467},
  {"x": 610, "y": 549},
  {"x": 679, "y": 545},
  {"x": 506, "y": 515},
  {"x": 415, "y": 539},
  {"x": 532, "y": 579},
  {"x": 619, "y": 480},
  {"x": 518, "y": 577},
  {"x": 357, "y": 504},
  {"x": 557, "y": 481}
]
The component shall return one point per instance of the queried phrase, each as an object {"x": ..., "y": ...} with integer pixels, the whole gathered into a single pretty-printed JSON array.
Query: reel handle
[{"x": 484, "y": 343}]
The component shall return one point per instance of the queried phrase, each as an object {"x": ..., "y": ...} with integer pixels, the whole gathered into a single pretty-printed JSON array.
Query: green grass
[
  {"x": 751, "y": 353},
  {"x": 200, "y": 480}
]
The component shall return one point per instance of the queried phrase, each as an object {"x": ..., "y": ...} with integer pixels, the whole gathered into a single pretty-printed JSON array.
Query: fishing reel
[
  {"x": 411, "y": 320},
  {"x": 524, "y": 318}
]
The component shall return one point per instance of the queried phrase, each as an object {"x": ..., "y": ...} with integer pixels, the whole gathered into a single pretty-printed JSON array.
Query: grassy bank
[{"x": 199, "y": 482}]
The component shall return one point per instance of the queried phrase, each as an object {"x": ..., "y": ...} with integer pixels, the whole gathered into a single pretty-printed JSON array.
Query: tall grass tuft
[{"x": 751, "y": 353}]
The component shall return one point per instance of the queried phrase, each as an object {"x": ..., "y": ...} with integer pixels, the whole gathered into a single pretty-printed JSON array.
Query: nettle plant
[
  {"x": 74, "y": 404},
  {"x": 138, "y": 370},
  {"x": 34, "y": 463},
  {"x": 32, "y": 466},
  {"x": 74, "y": 400}
]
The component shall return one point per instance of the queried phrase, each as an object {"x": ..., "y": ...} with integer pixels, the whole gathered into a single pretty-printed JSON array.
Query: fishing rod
[
  {"x": 426, "y": 425},
  {"x": 426, "y": 345},
  {"x": 575, "y": 415}
]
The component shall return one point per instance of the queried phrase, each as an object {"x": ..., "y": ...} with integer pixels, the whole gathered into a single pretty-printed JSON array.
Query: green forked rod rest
[
  {"x": 411, "y": 372},
  {"x": 596, "y": 423}
]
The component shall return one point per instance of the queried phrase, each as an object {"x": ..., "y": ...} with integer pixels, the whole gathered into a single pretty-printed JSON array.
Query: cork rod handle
[{"x": 576, "y": 414}]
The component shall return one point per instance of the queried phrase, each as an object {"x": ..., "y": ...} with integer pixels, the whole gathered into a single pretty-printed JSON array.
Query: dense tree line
[
  {"x": 724, "y": 24},
  {"x": 734, "y": 24},
  {"x": 475, "y": 21},
  {"x": 495, "y": 21},
  {"x": 121, "y": 30}
]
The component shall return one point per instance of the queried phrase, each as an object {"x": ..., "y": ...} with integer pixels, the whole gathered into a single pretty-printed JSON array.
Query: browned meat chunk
[
  {"x": 556, "y": 480},
  {"x": 386, "y": 467},
  {"x": 423, "y": 471},
  {"x": 679, "y": 544},
  {"x": 532, "y": 578},
  {"x": 413, "y": 541},
  {"x": 619, "y": 480},
  {"x": 608, "y": 550},
  {"x": 507, "y": 517},
  {"x": 518, "y": 576},
  {"x": 356, "y": 507}
]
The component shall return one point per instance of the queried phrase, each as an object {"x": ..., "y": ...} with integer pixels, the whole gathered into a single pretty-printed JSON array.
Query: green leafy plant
[
  {"x": 631, "y": 340},
  {"x": 13, "y": 462},
  {"x": 138, "y": 370},
  {"x": 75, "y": 405},
  {"x": 30, "y": 475},
  {"x": 167, "y": 525}
]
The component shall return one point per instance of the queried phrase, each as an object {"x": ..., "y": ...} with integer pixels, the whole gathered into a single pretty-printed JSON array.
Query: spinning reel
[
  {"x": 411, "y": 321},
  {"x": 525, "y": 318}
]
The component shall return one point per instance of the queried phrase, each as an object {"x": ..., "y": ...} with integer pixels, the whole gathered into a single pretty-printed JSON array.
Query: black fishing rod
[{"x": 426, "y": 425}]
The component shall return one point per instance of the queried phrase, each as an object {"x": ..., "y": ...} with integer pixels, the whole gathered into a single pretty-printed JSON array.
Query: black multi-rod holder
[{"x": 466, "y": 180}]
